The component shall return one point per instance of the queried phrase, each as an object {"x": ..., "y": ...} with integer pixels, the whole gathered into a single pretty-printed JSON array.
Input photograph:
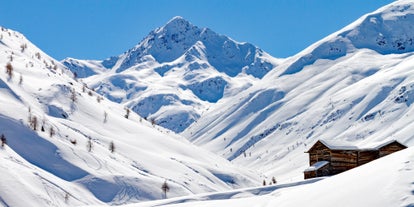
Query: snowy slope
[
  {"x": 387, "y": 182},
  {"x": 176, "y": 73},
  {"x": 356, "y": 85},
  {"x": 51, "y": 165}
]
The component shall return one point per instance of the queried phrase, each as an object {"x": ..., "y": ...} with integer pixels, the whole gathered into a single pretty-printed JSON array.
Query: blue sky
[{"x": 97, "y": 29}]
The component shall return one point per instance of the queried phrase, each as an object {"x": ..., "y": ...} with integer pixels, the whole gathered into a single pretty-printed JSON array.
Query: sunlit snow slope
[
  {"x": 387, "y": 182},
  {"x": 356, "y": 85},
  {"x": 49, "y": 163}
]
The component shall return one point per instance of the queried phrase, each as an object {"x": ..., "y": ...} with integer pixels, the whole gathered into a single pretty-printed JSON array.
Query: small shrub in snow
[
  {"x": 9, "y": 70},
  {"x": 23, "y": 47},
  {"x": 38, "y": 56},
  {"x": 73, "y": 141}
]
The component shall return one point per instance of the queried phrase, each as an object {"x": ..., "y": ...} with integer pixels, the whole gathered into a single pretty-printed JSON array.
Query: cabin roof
[
  {"x": 379, "y": 145},
  {"x": 345, "y": 145},
  {"x": 316, "y": 166}
]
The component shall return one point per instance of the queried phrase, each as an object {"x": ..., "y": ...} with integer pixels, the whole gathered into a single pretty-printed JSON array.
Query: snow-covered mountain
[
  {"x": 356, "y": 85},
  {"x": 243, "y": 105},
  {"x": 176, "y": 73},
  {"x": 59, "y": 134}
]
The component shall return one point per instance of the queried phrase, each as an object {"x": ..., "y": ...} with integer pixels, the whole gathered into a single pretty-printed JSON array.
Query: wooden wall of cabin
[
  {"x": 391, "y": 148},
  {"x": 310, "y": 174},
  {"x": 367, "y": 156},
  {"x": 343, "y": 160},
  {"x": 319, "y": 152}
]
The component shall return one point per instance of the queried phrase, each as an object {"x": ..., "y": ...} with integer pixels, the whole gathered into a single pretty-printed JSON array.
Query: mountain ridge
[{"x": 197, "y": 62}]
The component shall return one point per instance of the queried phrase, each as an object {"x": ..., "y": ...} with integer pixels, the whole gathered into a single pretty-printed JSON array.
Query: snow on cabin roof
[
  {"x": 316, "y": 166},
  {"x": 345, "y": 145},
  {"x": 378, "y": 145},
  {"x": 339, "y": 145}
]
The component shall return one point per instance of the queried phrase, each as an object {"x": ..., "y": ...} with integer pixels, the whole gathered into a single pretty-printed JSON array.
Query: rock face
[{"x": 176, "y": 72}]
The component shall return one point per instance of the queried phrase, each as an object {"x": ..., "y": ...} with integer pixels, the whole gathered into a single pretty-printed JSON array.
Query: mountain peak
[
  {"x": 177, "y": 19},
  {"x": 177, "y": 25}
]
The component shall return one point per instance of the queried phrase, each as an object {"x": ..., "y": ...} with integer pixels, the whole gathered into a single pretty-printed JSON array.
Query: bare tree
[
  {"x": 3, "y": 140},
  {"x": 112, "y": 147},
  {"x": 51, "y": 131},
  {"x": 9, "y": 70},
  {"x": 89, "y": 145},
  {"x": 127, "y": 111},
  {"x": 21, "y": 79},
  {"x": 33, "y": 122},
  {"x": 66, "y": 197},
  {"x": 165, "y": 188},
  {"x": 105, "y": 117},
  {"x": 73, "y": 95}
]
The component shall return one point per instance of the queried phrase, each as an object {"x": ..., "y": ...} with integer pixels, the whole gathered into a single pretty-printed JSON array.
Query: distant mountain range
[{"x": 176, "y": 73}]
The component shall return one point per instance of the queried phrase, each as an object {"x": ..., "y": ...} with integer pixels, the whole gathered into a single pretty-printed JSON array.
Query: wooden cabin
[{"x": 330, "y": 157}]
